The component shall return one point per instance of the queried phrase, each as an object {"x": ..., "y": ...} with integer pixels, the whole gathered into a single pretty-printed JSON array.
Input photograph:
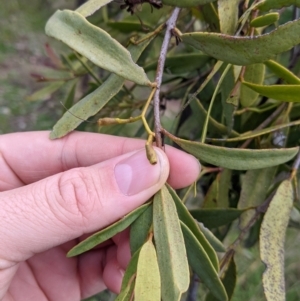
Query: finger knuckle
[{"x": 77, "y": 194}]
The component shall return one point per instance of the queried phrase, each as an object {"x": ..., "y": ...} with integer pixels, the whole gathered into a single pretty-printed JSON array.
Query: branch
[{"x": 159, "y": 73}]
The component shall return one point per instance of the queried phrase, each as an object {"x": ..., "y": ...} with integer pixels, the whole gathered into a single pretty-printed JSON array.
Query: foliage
[{"x": 227, "y": 71}]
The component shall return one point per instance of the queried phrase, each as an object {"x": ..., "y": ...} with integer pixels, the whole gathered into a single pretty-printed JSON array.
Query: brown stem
[{"x": 159, "y": 73}]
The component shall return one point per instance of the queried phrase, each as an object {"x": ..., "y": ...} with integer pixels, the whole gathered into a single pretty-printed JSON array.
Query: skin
[{"x": 54, "y": 194}]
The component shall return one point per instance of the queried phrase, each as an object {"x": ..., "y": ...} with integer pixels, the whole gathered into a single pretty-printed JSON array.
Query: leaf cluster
[{"x": 229, "y": 96}]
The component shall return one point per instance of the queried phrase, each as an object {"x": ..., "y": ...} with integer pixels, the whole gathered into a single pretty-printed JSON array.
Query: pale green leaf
[
  {"x": 126, "y": 294},
  {"x": 169, "y": 242},
  {"x": 213, "y": 218},
  {"x": 95, "y": 44},
  {"x": 189, "y": 221},
  {"x": 265, "y": 20},
  {"x": 228, "y": 15},
  {"x": 277, "y": 4},
  {"x": 228, "y": 278},
  {"x": 95, "y": 101},
  {"x": 139, "y": 229},
  {"x": 255, "y": 185},
  {"x": 254, "y": 74},
  {"x": 147, "y": 283},
  {"x": 46, "y": 92},
  {"x": 107, "y": 233},
  {"x": 257, "y": 133},
  {"x": 186, "y": 3},
  {"x": 283, "y": 72},
  {"x": 272, "y": 237},
  {"x": 289, "y": 93},
  {"x": 181, "y": 63},
  {"x": 232, "y": 158},
  {"x": 212, "y": 239},
  {"x": 246, "y": 50},
  {"x": 130, "y": 270},
  {"x": 201, "y": 264},
  {"x": 89, "y": 7}
]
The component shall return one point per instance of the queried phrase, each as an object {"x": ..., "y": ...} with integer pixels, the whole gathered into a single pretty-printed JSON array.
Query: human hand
[{"x": 53, "y": 192}]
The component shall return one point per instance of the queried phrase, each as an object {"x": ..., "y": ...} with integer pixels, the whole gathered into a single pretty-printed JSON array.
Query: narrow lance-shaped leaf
[
  {"x": 95, "y": 44},
  {"x": 45, "y": 92},
  {"x": 276, "y": 4},
  {"x": 265, "y": 20},
  {"x": 89, "y": 7},
  {"x": 272, "y": 236},
  {"x": 95, "y": 101},
  {"x": 147, "y": 283},
  {"x": 107, "y": 233},
  {"x": 283, "y": 72},
  {"x": 257, "y": 133},
  {"x": 228, "y": 15},
  {"x": 255, "y": 74},
  {"x": 289, "y": 93},
  {"x": 228, "y": 280},
  {"x": 239, "y": 159},
  {"x": 201, "y": 264},
  {"x": 171, "y": 253},
  {"x": 130, "y": 270},
  {"x": 212, "y": 239},
  {"x": 213, "y": 218},
  {"x": 186, "y": 3},
  {"x": 189, "y": 221},
  {"x": 255, "y": 185},
  {"x": 139, "y": 229},
  {"x": 246, "y": 50}
]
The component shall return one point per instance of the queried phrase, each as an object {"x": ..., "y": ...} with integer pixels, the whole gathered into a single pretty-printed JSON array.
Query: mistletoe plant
[{"x": 228, "y": 69}]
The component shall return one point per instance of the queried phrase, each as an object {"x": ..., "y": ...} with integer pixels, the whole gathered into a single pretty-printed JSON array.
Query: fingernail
[{"x": 135, "y": 174}]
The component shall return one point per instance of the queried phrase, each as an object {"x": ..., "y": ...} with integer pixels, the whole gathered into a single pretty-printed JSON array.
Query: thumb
[{"x": 57, "y": 209}]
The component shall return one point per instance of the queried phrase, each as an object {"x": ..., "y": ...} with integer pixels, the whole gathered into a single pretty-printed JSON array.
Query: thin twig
[{"x": 159, "y": 73}]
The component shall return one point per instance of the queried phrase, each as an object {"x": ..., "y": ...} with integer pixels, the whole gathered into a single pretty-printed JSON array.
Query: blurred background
[{"x": 22, "y": 53}]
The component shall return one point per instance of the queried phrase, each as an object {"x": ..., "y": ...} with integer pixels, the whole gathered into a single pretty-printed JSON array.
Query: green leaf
[
  {"x": 217, "y": 194},
  {"x": 257, "y": 133},
  {"x": 171, "y": 253},
  {"x": 95, "y": 101},
  {"x": 213, "y": 218},
  {"x": 201, "y": 264},
  {"x": 239, "y": 159},
  {"x": 289, "y": 93},
  {"x": 95, "y": 44},
  {"x": 181, "y": 63},
  {"x": 139, "y": 229},
  {"x": 228, "y": 280},
  {"x": 283, "y": 72},
  {"x": 147, "y": 283},
  {"x": 46, "y": 92},
  {"x": 277, "y": 4},
  {"x": 246, "y": 50},
  {"x": 127, "y": 26},
  {"x": 189, "y": 221},
  {"x": 255, "y": 185},
  {"x": 272, "y": 236},
  {"x": 265, "y": 20},
  {"x": 228, "y": 15},
  {"x": 186, "y": 3},
  {"x": 108, "y": 232},
  {"x": 130, "y": 270},
  {"x": 126, "y": 294},
  {"x": 71, "y": 95},
  {"x": 89, "y": 7},
  {"x": 254, "y": 74},
  {"x": 212, "y": 239}
]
